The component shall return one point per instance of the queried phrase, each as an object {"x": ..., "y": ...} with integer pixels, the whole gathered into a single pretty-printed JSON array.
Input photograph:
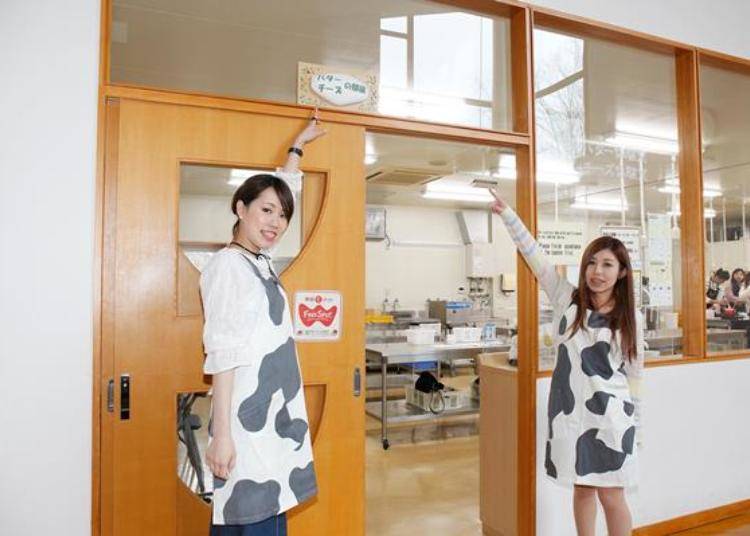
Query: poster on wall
[
  {"x": 628, "y": 235},
  {"x": 335, "y": 87},
  {"x": 660, "y": 260},
  {"x": 317, "y": 315},
  {"x": 562, "y": 241}
]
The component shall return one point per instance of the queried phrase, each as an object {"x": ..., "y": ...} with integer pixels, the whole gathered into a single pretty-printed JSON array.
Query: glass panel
[
  {"x": 254, "y": 50},
  {"x": 606, "y": 164},
  {"x": 193, "y": 414},
  {"x": 206, "y": 218},
  {"x": 394, "y": 24},
  {"x": 393, "y": 67},
  {"x": 725, "y": 102},
  {"x": 440, "y": 296}
]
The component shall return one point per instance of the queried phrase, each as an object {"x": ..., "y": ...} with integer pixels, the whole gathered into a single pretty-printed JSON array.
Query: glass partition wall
[
  {"x": 387, "y": 57},
  {"x": 725, "y": 113},
  {"x": 606, "y": 149}
]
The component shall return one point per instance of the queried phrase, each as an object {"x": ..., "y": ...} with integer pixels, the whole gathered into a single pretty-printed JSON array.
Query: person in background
[
  {"x": 715, "y": 290},
  {"x": 743, "y": 296},
  {"x": 594, "y": 407},
  {"x": 733, "y": 287},
  {"x": 259, "y": 450}
]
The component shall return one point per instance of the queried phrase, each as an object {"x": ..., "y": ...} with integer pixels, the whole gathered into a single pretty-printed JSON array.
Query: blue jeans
[{"x": 273, "y": 526}]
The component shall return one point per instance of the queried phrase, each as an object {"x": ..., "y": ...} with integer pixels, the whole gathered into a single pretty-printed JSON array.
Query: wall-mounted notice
[
  {"x": 317, "y": 315},
  {"x": 631, "y": 237},
  {"x": 659, "y": 268},
  {"x": 318, "y": 85},
  {"x": 562, "y": 241}
]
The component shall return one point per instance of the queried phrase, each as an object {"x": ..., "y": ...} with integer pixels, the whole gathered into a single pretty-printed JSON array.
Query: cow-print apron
[
  {"x": 595, "y": 402},
  {"x": 274, "y": 467},
  {"x": 591, "y": 428}
]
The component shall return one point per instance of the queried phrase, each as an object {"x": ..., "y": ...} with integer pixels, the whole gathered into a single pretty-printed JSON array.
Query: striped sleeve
[{"x": 555, "y": 286}]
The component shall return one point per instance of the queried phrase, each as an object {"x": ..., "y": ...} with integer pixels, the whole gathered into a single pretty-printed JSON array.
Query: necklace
[{"x": 235, "y": 243}]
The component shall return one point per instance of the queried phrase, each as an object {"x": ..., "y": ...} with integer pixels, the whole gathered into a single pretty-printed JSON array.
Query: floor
[
  {"x": 427, "y": 482},
  {"x": 429, "y": 487},
  {"x": 734, "y": 526}
]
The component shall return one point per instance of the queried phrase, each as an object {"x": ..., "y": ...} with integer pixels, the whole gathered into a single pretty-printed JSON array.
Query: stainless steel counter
[{"x": 405, "y": 353}]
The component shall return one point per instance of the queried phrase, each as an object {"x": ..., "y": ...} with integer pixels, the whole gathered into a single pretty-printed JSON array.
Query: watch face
[{"x": 375, "y": 223}]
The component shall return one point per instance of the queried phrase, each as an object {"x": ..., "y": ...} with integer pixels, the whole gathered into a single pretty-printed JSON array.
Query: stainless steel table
[{"x": 405, "y": 353}]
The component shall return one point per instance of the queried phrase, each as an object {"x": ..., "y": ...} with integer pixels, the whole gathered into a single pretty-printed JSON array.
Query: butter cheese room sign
[{"x": 317, "y": 315}]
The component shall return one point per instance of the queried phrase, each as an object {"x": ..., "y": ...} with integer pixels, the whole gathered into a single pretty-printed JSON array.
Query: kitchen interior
[{"x": 440, "y": 295}]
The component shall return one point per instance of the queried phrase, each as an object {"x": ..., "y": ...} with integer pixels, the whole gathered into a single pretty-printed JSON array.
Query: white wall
[
  {"x": 207, "y": 218},
  {"x": 425, "y": 260},
  {"x": 49, "y": 60},
  {"x": 718, "y": 25},
  {"x": 728, "y": 255},
  {"x": 695, "y": 447}
]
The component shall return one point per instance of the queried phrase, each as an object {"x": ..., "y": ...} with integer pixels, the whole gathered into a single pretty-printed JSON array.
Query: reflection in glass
[
  {"x": 725, "y": 112},
  {"x": 606, "y": 137},
  {"x": 251, "y": 49}
]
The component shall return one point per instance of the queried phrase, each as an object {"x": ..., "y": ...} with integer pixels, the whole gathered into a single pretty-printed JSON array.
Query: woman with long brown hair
[{"x": 594, "y": 404}]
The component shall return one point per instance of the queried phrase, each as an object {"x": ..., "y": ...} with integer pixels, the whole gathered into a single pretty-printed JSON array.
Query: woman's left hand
[{"x": 311, "y": 132}]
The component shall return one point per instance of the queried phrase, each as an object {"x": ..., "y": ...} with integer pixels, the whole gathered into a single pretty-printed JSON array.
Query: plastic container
[
  {"x": 466, "y": 334},
  {"x": 453, "y": 399},
  {"x": 420, "y": 336}
]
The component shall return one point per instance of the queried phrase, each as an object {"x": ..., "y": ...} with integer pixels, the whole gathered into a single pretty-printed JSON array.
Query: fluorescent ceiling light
[
  {"x": 238, "y": 176},
  {"x": 707, "y": 213},
  {"x": 672, "y": 189},
  {"x": 454, "y": 192},
  {"x": 640, "y": 142},
  {"x": 600, "y": 206},
  {"x": 548, "y": 172}
]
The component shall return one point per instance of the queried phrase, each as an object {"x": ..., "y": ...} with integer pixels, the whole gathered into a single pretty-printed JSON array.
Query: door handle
[
  {"x": 124, "y": 397},
  {"x": 111, "y": 395},
  {"x": 357, "y": 382}
]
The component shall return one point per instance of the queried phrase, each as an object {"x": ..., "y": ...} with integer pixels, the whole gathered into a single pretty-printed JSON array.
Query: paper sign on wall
[
  {"x": 562, "y": 241},
  {"x": 630, "y": 237},
  {"x": 317, "y": 315}
]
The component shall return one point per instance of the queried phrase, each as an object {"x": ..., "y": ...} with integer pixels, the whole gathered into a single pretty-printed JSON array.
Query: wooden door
[{"x": 151, "y": 329}]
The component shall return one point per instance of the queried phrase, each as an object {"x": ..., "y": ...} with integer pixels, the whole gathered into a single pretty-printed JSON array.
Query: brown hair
[
  {"x": 622, "y": 316},
  {"x": 254, "y": 186}
]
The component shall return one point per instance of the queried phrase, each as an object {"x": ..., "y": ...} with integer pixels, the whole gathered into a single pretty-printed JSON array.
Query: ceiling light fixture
[
  {"x": 672, "y": 189},
  {"x": 548, "y": 172},
  {"x": 599, "y": 206},
  {"x": 641, "y": 142},
  {"x": 446, "y": 192},
  {"x": 238, "y": 176},
  {"x": 707, "y": 213}
]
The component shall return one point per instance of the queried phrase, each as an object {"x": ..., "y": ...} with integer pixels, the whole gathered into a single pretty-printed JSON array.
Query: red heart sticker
[{"x": 309, "y": 316}]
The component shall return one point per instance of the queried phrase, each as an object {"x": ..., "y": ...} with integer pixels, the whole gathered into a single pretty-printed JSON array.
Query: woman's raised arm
[{"x": 535, "y": 257}]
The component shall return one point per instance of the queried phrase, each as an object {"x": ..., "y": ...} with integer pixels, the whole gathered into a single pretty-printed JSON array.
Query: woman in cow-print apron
[
  {"x": 260, "y": 450},
  {"x": 594, "y": 406}
]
